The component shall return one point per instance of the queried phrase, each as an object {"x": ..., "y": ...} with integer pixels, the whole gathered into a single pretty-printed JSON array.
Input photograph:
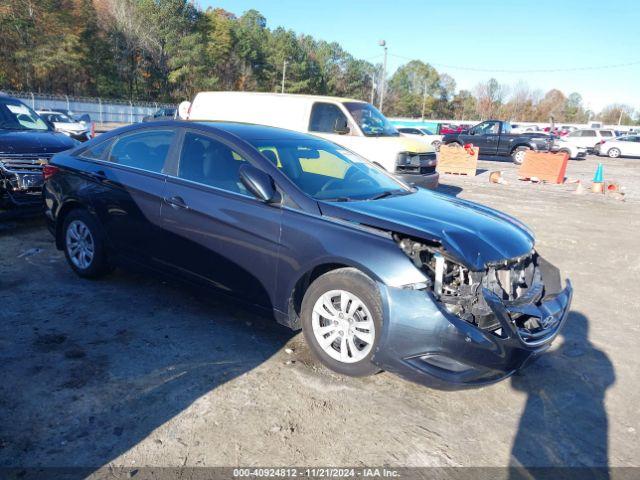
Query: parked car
[
  {"x": 378, "y": 274},
  {"x": 161, "y": 114},
  {"x": 588, "y": 137},
  {"x": 356, "y": 125},
  {"x": 575, "y": 152},
  {"x": 65, "y": 124},
  {"x": 494, "y": 137},
  {"x": 519, "y": 128},
  {"x": 625, "y": 146},
  {"x": 423, "y": 135},
  {"x": 27, "y": 142}
]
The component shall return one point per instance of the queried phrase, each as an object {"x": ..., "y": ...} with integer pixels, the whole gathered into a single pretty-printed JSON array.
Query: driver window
[{"x": 325, "y": 116}]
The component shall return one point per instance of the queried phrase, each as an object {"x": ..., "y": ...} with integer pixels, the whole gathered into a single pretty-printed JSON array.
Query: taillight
[{"x": 49, "y": 171}]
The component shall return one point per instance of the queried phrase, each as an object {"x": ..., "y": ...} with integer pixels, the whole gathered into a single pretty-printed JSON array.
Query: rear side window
[
  {"x": 210, "y": 162},
  {"x": 325, "y": 117},
  {"x": 606, "y": 133},
  {"x": 145, "y": 150}
]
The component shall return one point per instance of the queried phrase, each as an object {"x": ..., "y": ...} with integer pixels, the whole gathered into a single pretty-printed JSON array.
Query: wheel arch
[
  {"x": 63, "y": 211},
  {"x": 305, "y": 279},
  {"x": 519, "y": 145}
]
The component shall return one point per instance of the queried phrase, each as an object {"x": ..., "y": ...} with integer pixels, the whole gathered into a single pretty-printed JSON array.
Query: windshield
[
  {"x": 370, "y": 120},
  {"x": 15, "y": 115},
  {"x": 326, "y": 171},
  {"x": 56, "y": 117}
]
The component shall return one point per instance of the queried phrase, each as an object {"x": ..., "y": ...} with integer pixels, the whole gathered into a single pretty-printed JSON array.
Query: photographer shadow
[{"x": 564, "y": 423}]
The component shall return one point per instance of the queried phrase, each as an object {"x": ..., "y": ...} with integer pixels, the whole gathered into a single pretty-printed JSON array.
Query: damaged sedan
[{"x": 379, "y": 275}]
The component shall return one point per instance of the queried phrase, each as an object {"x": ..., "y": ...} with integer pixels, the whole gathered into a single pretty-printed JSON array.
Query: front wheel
[
  {"x": 518, "y": 155},
  {"x": 613, "y": 153},
  {"x": 342, "y": 321}
]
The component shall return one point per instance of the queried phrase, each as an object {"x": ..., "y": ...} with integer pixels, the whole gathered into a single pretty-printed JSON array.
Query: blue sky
[{"x": 485, "y": 34}]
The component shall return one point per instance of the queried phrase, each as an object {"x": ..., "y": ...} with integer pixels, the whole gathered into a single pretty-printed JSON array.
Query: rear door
[
  {"x": 215, "y": 231},
  {"x": 588, "y": 138},
  {"x": 129, "y": 185}
]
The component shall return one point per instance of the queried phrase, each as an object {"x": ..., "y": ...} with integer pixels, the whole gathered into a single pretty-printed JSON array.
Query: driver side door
[
  {"x": 486, "y": 137},
  {"x": 217, "y": 232}
]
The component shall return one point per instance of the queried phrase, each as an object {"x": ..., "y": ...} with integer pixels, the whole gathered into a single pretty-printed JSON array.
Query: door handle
[{"x": 176, "y": 202}]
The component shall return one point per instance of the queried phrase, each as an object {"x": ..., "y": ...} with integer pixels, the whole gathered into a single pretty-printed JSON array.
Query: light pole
[
  {"x": 383, "y": 44},
  {"x": 424, "y": 99},
  {"x": 373, "y": 88},
  {"x": 284, "y": 73}
]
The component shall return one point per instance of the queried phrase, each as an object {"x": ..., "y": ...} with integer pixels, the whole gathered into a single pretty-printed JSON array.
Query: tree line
[{"x": 166, "y": 50}]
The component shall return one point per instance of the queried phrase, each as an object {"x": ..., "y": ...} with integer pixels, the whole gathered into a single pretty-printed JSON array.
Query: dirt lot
[{"x": 135, "y": 371}]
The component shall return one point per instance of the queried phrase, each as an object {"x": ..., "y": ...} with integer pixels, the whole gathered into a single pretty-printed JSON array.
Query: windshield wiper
[
  {"x": 389, "y": 193},
  {"x": 338, "y": 199}
]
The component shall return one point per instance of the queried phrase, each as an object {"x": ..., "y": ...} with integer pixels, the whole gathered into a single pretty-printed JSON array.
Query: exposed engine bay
[{"x": 459, "y": 289}]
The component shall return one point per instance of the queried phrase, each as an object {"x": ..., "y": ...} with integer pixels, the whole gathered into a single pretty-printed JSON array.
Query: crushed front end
[
  {"x": 465, "y": 328},
  {"x": 21, "y": 178}
]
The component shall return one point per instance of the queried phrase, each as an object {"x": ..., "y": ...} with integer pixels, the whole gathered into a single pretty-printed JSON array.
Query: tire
[
  {"x": 517, "y": 156},
  {"x": 613, "y": 152},
  {"x": 88, "y": 259},
  {"x": 361, "y": 342}
]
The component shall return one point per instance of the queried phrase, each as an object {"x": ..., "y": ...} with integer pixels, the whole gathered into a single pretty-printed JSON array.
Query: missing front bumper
[{"x": 423, "y": 342}]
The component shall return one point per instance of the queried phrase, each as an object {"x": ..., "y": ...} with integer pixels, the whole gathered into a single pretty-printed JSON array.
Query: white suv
[{"x": 585, "y": 137}]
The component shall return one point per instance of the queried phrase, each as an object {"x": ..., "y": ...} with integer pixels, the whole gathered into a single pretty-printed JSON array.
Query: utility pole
[
  {"x": 620, "y": 117},
  {"x": 383, "y": 44},
  {"x": 373, "y": 88},
  {"x": 424, "y": 99},
  {"x": 284, "y": 74}
]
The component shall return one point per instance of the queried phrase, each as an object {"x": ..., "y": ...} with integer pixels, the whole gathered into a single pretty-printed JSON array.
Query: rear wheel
[
  {"x": 613, "y": 153},
  {"x": 342, "y": 321},
  {"x": 518, "y": 155},
  {"x": 84, "y": 245}
]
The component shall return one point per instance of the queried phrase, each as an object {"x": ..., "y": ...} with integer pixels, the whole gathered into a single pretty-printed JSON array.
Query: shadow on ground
[
  {"x": 103, "y": 364},
  {"x": 564, "y": 421}
]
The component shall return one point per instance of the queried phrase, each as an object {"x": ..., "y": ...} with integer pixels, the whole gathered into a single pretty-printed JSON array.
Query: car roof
[
  {"x": 251, "y": 131},
  {"x": 244, "y": 131},
  {"x": 325, "y": 98}
]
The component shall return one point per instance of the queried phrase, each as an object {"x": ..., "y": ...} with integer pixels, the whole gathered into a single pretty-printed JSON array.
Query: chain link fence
[{"x": 100, "y": 110}]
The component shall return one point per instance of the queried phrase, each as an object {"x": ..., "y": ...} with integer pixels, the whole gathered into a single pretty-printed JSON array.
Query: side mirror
[
  {"x": 341, "y": 127},
  {"x": 258, "y": 183}
]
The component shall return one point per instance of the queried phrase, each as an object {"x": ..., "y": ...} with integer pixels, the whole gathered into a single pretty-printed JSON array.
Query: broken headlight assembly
[{"x": 459, "y": 290}]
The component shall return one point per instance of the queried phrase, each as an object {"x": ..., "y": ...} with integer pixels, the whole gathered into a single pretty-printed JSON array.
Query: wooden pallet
[
  {"x": 455, "y": 160},
  {"x": 458, "y": 171}
]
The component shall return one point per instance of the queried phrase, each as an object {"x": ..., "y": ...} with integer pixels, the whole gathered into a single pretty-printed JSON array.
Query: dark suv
[
  {"x": 377, "y": 274},
  {"x": 27, "y": 142}
]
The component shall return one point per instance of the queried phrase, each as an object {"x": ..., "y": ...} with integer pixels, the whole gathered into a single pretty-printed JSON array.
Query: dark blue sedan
[{"x": 378, "y": 274}]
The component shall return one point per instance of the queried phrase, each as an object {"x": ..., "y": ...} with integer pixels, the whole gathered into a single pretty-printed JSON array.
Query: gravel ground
[{"x": 133, "y": 370}]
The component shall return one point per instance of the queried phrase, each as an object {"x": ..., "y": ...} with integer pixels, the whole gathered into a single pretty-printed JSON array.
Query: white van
[{"x": 353, "y": 124}]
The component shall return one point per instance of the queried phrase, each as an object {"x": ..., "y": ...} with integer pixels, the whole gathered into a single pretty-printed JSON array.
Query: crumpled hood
[
  {"x": 31, "y": 141},
  {"x": 472, "y": 234}
]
